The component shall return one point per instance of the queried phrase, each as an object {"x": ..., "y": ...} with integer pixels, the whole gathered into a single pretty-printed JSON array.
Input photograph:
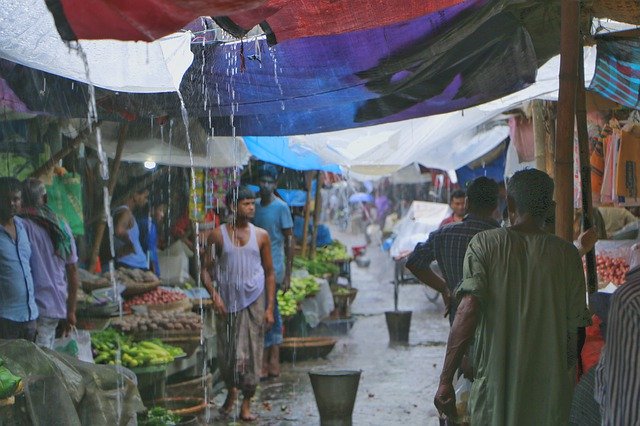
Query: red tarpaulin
[
  {"x": 304, "y": 18},
  {"x": 145, "y": 20}
]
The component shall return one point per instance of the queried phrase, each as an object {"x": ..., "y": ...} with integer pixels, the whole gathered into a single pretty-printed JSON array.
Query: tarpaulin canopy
[
  {"x": 135, "y": 20},
  {"x": 435, "y": 63},
  {"x": 617, "y": 75},
  {"x": 28, "y": 36},
  {"x": 443, "y": 141},
  {"x": 168, "y": 146},
  {"x": 277, "y": 150},
  {"x": 440, "y": 61}
]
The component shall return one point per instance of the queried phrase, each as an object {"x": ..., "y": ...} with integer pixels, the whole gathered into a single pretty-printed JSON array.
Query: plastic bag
[
  {"x": 77, "y": 345},
  {"x": 463, "y": 390},
  {"x": 10, "y": 384}
]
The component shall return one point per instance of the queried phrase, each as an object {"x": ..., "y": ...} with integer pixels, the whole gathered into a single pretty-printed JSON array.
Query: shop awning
[{"x": 28, "y": 36}]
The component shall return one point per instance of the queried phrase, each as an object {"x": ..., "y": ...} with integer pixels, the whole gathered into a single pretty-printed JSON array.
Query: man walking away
[
  {"x": 241, "y": 255},
  {"x": 18, "y": 309},
  {"x": 53, "y": 263},
  {"x": 448, "y": 244},
  {"x": 523, "y": 294}
]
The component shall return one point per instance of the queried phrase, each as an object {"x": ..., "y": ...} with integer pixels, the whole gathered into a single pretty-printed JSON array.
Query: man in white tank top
[{"x": 238, "y": 255}]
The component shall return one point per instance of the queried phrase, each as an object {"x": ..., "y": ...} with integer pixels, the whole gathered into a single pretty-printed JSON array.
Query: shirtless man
[{"x": 238, "y": 255}]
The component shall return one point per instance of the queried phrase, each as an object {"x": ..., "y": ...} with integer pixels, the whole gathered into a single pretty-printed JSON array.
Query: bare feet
[
  {"x": 230, "y": 402},
  {"x": 245, "y": 411},
  {"x": 274, "y": 361}
]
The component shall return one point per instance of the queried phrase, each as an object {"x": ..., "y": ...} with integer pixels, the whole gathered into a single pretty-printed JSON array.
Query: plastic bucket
[
  {"x": 398, "y": 324},
  {"x": 335, "y": 393}
]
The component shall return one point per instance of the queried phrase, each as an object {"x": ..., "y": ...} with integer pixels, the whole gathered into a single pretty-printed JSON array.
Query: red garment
[
  {"x": 451, "y": 219},
  {"x": 593, "y": 345},
  {"x": 181, "y": 226}
]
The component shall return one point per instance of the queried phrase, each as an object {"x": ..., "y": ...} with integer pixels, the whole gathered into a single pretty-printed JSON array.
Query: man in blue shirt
[
  {"x": 137, "y": 259},
  {"x": 18, "y": 310},
  {"x": 273, "y": 215}
]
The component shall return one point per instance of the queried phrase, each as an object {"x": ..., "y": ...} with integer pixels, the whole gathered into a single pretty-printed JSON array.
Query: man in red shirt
[{"x": 456, "y": 202}]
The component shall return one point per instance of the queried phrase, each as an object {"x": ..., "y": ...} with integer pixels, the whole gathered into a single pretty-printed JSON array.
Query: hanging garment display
[{"x": 628, "y": 166}]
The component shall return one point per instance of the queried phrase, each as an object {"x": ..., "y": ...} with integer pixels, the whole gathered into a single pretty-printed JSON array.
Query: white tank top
[{"x": 240, "y": 274}]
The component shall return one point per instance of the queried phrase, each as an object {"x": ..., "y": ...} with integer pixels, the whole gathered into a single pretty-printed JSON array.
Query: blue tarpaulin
[
  {"x": 493, "y": 170},
  {"x": 276, "y": 150},
  {"x": 293, "y": 197}
]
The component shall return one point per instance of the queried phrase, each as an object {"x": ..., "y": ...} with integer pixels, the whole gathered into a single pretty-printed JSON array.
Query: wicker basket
[
  {"x": 89, "y": 286},
  {"x": 190, "y": 387},
  {"x": 303, "y": 348},
  {"x": 182, "y": 406}
]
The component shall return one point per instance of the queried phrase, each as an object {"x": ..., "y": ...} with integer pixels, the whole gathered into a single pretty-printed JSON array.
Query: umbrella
[{"x": 361, "y": 197}]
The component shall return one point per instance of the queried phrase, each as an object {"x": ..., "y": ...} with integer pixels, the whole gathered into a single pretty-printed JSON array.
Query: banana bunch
[
  {"x": 132, "y": 354},
  {"x": 303, "y": 287},
  {"x": 287, "y": 303}
]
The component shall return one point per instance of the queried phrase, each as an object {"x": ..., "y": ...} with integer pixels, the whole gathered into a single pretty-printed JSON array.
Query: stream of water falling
[{"x": 92, "y": 117}]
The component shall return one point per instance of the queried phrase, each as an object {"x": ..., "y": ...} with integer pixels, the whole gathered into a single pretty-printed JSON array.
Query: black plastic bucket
[
  {"x": 398, "y": 324},
  {"x": 335, "y": 393}
]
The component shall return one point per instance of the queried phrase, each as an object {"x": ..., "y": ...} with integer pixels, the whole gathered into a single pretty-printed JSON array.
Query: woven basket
[
  {"x": 182, "y": 406},
  {"x": 303, "y": 348},
  {"x": 89, "y": 286}
]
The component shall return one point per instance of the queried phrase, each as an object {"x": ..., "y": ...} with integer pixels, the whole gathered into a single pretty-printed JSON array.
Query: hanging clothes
[{"x": 627, "y": 181}]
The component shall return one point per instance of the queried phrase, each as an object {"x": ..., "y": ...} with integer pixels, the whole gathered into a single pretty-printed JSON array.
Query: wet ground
[{"x": 397, "y": 383}]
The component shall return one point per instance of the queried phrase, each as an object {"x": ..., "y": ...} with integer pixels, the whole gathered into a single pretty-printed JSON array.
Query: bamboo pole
[
  {"x": 64, "y": 151},
  {"x": 550, "y": 140},
  {"x": 307, "y": 212},
  {"x": 110, "y": 185},
  {"x": 569, "y": 47},
  {"x": 539, "y": 132},
  {"x": 585, "y": 171},
  {"x": 317, "y": 205}
]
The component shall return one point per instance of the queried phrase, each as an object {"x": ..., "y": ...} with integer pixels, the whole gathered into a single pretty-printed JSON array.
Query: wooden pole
[
  {"x": 585, "y": 171},
  {"x": 307, "y": 212},
  {"x": 569, "y": 49},
  {"x": 550, "y": 140},
  {"x": 539, "y": 133},
  {"x": 317, "y": 205},
  {"x": 64, "y": 151},
  {"x": 113, "y": 177}
]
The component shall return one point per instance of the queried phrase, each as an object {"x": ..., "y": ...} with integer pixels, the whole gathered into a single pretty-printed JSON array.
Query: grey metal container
[{"x": 335, "y": 393}]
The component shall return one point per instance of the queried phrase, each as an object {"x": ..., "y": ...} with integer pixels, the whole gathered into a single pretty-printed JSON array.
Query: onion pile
[
  {"x": 157, "y": 296},
  {"x": 612, "y": 270}
]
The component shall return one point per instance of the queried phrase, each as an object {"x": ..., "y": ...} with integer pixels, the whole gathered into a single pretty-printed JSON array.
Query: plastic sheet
[
  {"x": 63, "y": 390},
  {"x": 422, "y": 218}
]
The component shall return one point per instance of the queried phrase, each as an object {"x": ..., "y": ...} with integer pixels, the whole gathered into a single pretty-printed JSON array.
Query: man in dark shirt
[{"x": 448, "y": 244}]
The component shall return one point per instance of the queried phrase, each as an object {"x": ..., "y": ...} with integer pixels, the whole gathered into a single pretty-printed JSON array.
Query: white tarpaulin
[
  {"x": 216, "y": 152},
  {"x": 422, "y": 218},
  {"x": 29, "y": 37},
  {"x": 441, "y": 141}
]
